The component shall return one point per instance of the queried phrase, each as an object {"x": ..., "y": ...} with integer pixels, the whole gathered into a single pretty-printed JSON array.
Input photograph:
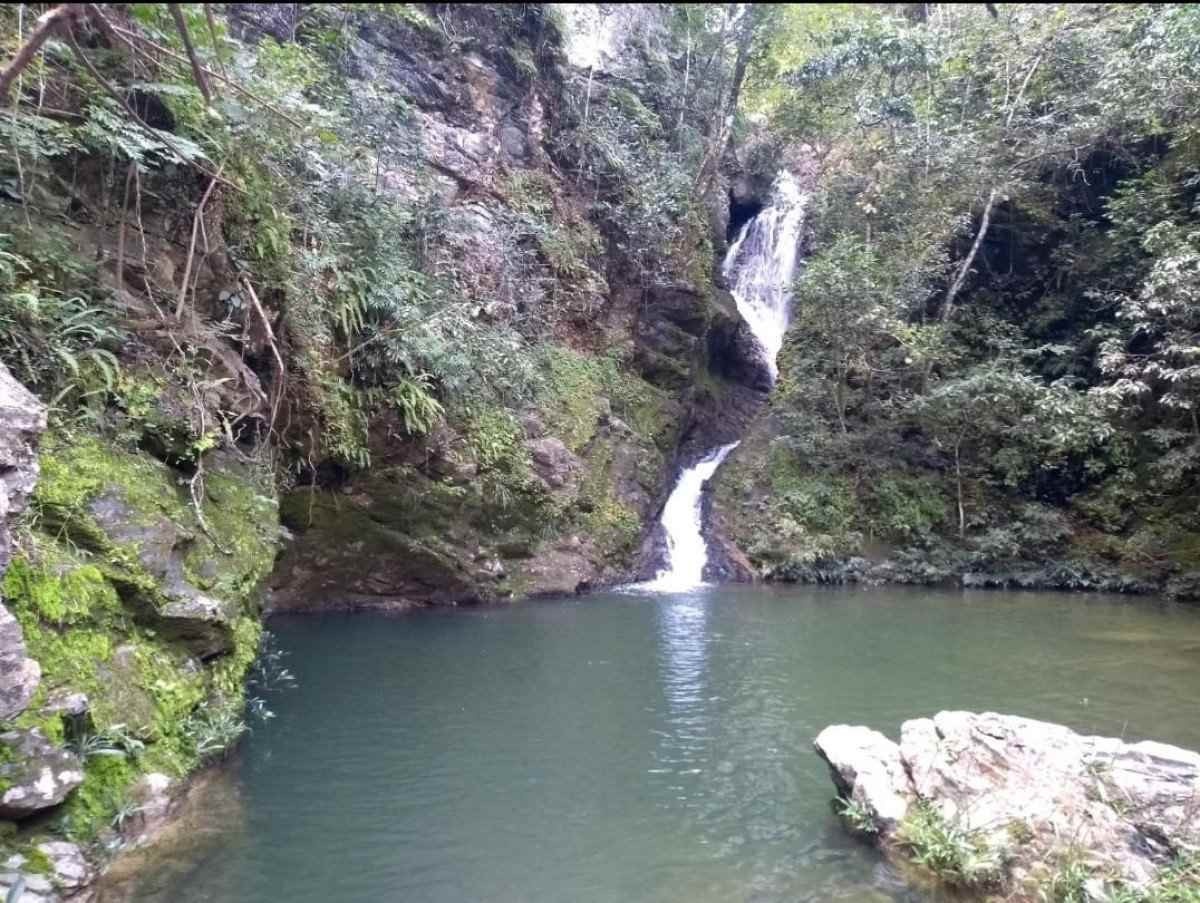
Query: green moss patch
[
  {"x": 242, "y": 512},
  {"x": 93, "y": 805}
]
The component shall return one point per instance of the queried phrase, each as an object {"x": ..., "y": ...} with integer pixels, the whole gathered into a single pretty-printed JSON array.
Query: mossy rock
[
  {"x": 172, "y": 570},
  {"x": 127, "y": 598}
]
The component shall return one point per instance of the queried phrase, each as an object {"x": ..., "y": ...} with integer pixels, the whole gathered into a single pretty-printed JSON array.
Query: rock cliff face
[
  {"x": 22, "y": 422},
  {"x": 646, "y": 376},
  {"x": 1026, "y": 799}
]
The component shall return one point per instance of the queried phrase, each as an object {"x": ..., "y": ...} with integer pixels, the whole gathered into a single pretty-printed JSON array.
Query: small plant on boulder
[
  {"x": 949, "y": 849},
  {"x": 856, "y": 816}
]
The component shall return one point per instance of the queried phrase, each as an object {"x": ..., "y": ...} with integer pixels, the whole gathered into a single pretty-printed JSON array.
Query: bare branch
[
  {"x": 262, "y": 315},
  {"x": 116, "y": 95},
  {"x": 45, "y": 26},
  {"x": 187, "y": 270},
  {"x": 197, "y": 69},
  {"x": 212, "y": 34}
]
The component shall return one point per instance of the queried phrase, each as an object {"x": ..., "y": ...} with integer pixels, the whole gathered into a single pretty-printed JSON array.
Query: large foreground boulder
[{"x": 1036, "y": 800}]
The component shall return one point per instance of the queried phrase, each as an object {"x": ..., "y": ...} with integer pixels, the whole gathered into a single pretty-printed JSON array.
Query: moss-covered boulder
[
  {"x": 136, "y": 588},
  {"x": 185, "y": 554}
]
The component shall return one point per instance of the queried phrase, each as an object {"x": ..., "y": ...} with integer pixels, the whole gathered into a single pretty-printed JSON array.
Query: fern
[
  {"x": 109, "y": 130},
  {"x": 419, "y": 410}
]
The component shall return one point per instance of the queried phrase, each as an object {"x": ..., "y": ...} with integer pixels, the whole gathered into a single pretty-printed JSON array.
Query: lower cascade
[
  {"x": 759, "y": 266},
  {"x": 682, "y": 520}
]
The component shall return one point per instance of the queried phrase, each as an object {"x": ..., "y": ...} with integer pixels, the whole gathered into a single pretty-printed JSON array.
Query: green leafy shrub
[
  {"x": 1178, "y": 882},
  {"x": 56, "y": 341},
  {"x": 948, "y": 849},
  {"x": 1067, "y": 885},
  {"x": 856, "y": 815},
  {"x": 907, "y": 508}
]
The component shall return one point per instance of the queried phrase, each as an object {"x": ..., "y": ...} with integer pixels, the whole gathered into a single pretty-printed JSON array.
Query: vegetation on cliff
[
  {"x": 991, "y": 370},
  {"x": 399, "y": 275}
]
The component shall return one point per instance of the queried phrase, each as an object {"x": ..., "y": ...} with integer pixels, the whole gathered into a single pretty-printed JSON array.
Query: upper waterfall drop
[
  {"x": 759, "y": 268},
  {"x": 761, "y": 262}
]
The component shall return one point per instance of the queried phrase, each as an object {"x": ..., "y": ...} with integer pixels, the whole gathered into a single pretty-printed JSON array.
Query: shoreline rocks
[
  {"x": 1034, "y": 799},
  {"x": 35, "y": 773}
]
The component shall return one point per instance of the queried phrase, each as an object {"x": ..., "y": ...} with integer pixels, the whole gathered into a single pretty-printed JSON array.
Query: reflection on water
[
  {"x": 640, "y": 748},
  {"x": 683, "y": 641}
]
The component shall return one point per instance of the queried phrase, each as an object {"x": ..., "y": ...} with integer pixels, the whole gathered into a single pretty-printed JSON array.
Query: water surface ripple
[{"x": 639, "y": 749}]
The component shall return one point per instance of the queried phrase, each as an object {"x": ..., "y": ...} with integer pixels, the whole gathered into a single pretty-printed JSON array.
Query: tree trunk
[
  {"x": 963, "y": 272},
  {"x": 726, "y": 106},
  {"x": 197, "y": 69},
  {"x": 687, "y": 75},
  {"x": 965, "y": 269},
  {"x": 745, "y": 40},
  {"x": 839, "y": 399}
]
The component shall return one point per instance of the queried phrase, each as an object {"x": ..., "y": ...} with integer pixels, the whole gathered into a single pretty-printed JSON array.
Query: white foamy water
[
  {"x": 687, "y": 552},
  {"x": 761, "y": 263},
  {"x": 759, "y": 268}
]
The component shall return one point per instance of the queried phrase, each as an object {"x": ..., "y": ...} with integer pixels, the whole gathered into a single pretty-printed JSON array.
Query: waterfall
[
  {"x": 759, "y": 268},
  {"x": 761, "y": 263},
  {"x": 687, "y": 552}
]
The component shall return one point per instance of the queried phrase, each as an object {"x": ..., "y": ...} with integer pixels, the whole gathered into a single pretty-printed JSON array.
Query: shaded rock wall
[{"x": 642, "y": 374}]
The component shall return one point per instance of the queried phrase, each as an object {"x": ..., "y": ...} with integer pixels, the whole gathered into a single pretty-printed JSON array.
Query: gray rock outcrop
[
  {"x": 37, "y": 775},
  {"x": 22, "y": 421},
  {"x": 1036, "y": 794},
  {"x": 19, "y": 674},
  {"x": 553, "y": 462},
  {"x": 69, "y": 877},
  {"x": 70, "y": 869}
]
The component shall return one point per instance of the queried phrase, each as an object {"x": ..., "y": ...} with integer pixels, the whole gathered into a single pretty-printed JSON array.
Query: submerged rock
[
  {"x": 36, "y": 775},
  {"x": 1035, "y": 795}
]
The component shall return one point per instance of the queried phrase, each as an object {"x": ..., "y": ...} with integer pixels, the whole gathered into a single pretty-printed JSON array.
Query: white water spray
[
  {"x": 761, "y": 263},
  {"x": 759, "y": 267},
  {"x": 687, "y": 552}
]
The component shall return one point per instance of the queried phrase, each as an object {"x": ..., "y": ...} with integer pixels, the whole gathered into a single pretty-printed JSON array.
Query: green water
[{"x": 635, "y": 749}]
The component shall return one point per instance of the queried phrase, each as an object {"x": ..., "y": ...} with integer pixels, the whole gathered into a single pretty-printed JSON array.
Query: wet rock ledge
[{"x": 1022, "y": 809}]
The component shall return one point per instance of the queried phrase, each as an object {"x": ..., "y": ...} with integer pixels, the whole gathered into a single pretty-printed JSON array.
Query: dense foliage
[{"x": 1005, "y": 233}]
